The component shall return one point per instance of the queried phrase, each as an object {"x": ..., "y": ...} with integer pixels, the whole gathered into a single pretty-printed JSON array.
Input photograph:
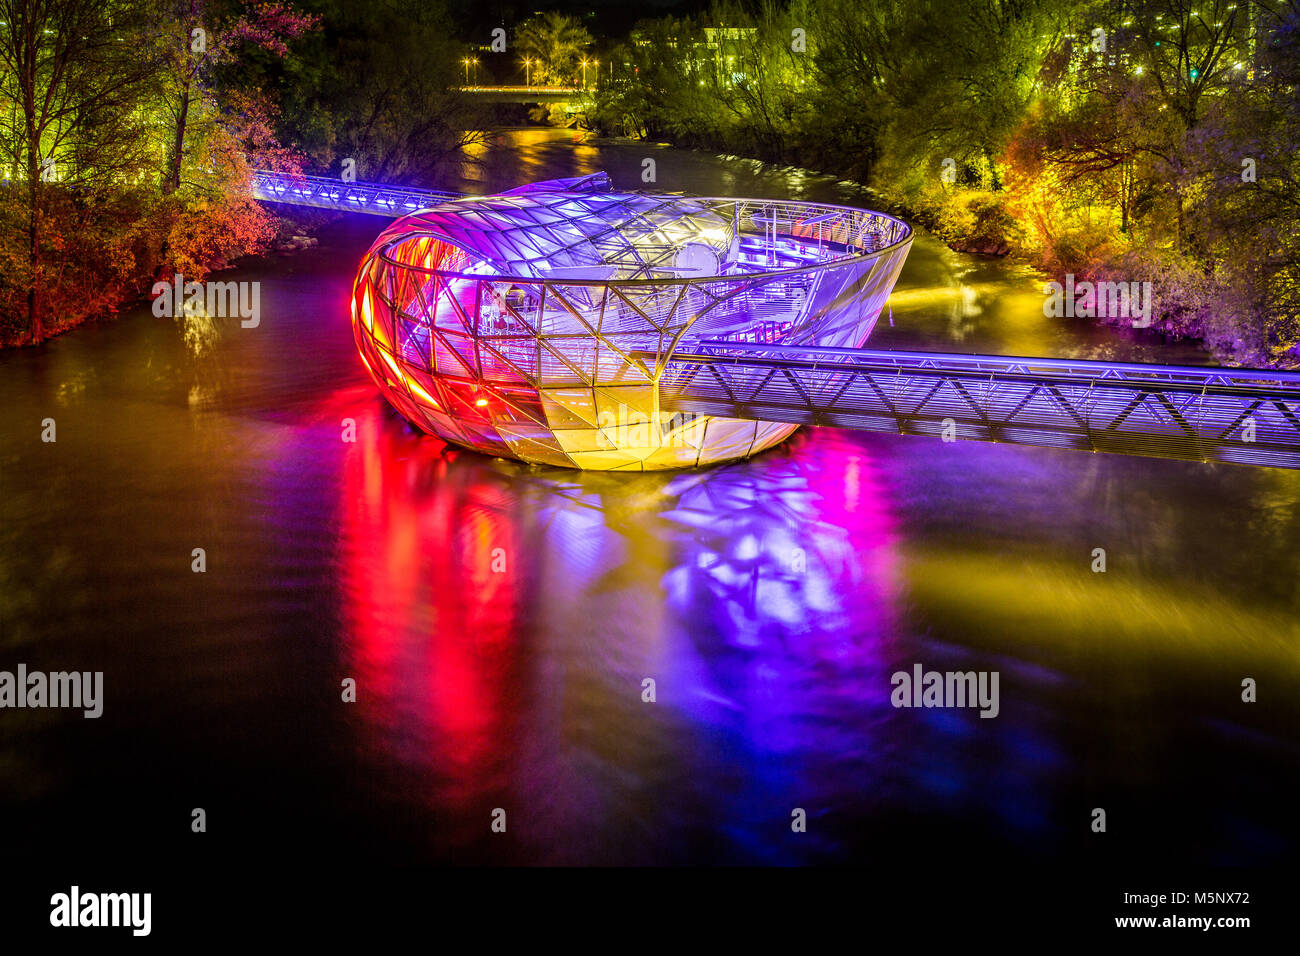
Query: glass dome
[{"x": 536, "y": 324}]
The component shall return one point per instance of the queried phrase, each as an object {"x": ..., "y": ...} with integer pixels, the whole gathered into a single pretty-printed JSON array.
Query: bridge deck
[
  {"x": 1245, "y": 416},
  {"x": 528, "y": 94},
  {"x": 324, "y": 192}
]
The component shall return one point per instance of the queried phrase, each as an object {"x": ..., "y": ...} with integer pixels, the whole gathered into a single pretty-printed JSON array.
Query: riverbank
[{"x": 105, "y": 290}]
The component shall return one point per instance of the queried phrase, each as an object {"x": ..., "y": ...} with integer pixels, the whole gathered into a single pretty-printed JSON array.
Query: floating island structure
[{"x": 536, "y": 324}]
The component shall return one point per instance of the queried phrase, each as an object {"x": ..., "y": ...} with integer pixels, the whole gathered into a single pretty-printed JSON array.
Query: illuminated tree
[
  {"x": 557, "y": 42},
  {"x": 195, "y": 41},
  {"x": 661, "y": 91},
  {"x": 940, "y": 80},
  {"x": 379, "y": 85},
  {"x": 74, "y": 75}
]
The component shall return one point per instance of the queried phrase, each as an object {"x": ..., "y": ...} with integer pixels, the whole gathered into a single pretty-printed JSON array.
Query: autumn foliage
[{"x": 125, "y": 158}]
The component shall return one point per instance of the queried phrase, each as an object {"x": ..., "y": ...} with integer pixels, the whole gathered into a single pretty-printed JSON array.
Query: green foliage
[
  {"x": 556, "y": 44},
  {"x": 1159, "y": 132},
  {"x": 658, "y": 93},
  {"x": 1100, "y": 137},
  {"x": 942, "y": 80},
  {"x": 150, "y": 150},
  {"x": 728, "y": 80},
  {"x": 1001, "y": 124},
  {"x": 378, "y": 84},
  {"x": 1083, "y": 249},
  {"x": 76, "y": 77}
]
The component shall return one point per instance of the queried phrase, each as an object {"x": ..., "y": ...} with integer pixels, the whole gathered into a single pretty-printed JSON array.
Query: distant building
[
  {"x": 721, "y": 49},
  {"x": 727, "y": 39}
]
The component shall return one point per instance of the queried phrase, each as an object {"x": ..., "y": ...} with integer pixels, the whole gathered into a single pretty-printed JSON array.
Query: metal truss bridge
[
  {"x": 1242, "y": 416},
  {"x": 323, "y": 192}
]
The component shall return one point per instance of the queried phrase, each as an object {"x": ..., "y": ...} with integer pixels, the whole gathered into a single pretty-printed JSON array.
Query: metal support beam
[
  {"x": 1244, "y": 416},
  {"x": 324, "y": 192}
]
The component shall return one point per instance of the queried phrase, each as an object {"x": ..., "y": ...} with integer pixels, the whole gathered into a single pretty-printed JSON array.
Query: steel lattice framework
[
  {"x": 1245, "y": 416},
  {"x": 536, "y": 324},
  {"x": 325, "y": 193}
]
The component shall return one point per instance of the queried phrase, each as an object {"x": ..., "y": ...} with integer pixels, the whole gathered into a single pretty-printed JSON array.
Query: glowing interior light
[
  {"x": 366, "y": 316},
  {"x": 420, "y": 393},
  {"x": 388, "y": 360}
]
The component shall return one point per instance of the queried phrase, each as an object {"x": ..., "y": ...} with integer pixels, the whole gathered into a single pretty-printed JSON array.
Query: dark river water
[{"x": 769, "y": 601}]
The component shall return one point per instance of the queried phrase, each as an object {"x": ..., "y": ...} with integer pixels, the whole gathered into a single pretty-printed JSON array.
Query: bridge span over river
[{"x": 528, "y": 94}]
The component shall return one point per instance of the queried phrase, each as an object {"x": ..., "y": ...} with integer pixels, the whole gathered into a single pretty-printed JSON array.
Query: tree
[
  {"x": 558, "y": 43},
  {"x": 76, "y": 74},
  {"x": 758, "y": 76},
  {"x": 1248, "y": 218},
  {"x": 943, "y": 80},
  {"x": 196, "y": 40},
  {"x": 378, "y": 85},
  {"x": 661, "y": 93},
  {"x": 1187, "y": 51}
]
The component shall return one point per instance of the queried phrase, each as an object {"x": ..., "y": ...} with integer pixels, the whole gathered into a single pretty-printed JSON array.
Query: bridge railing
[
  {"x": 324, "y": 192},
  {"x": 520, "y": 88},
  {"x": 1244, "y": 416}
]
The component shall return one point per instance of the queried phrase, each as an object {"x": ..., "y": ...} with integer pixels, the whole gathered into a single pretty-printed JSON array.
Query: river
[{"x": 500, "y": 621}]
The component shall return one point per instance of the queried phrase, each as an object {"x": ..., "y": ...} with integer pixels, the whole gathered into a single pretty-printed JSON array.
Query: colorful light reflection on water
[
  {"x": 502, "y": 620},
  {"x": 762, "y": 599}
]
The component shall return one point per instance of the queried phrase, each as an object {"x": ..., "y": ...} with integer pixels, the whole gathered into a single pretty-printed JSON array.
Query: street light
[
  {"x": 584, "y": 74},
  {"x": 528, "y": 65},
  {"x": 466, "y": 62}
]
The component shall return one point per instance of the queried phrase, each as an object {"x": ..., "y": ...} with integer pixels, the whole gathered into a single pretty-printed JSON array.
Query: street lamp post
[
  {"x": 466, "y": 62},
  {"x": 584, "y": 74},
  {"x": 528, "y": 68}
]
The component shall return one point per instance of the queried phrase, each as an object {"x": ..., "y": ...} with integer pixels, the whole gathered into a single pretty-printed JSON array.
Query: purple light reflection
[{"x": 759, "y": 597}]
